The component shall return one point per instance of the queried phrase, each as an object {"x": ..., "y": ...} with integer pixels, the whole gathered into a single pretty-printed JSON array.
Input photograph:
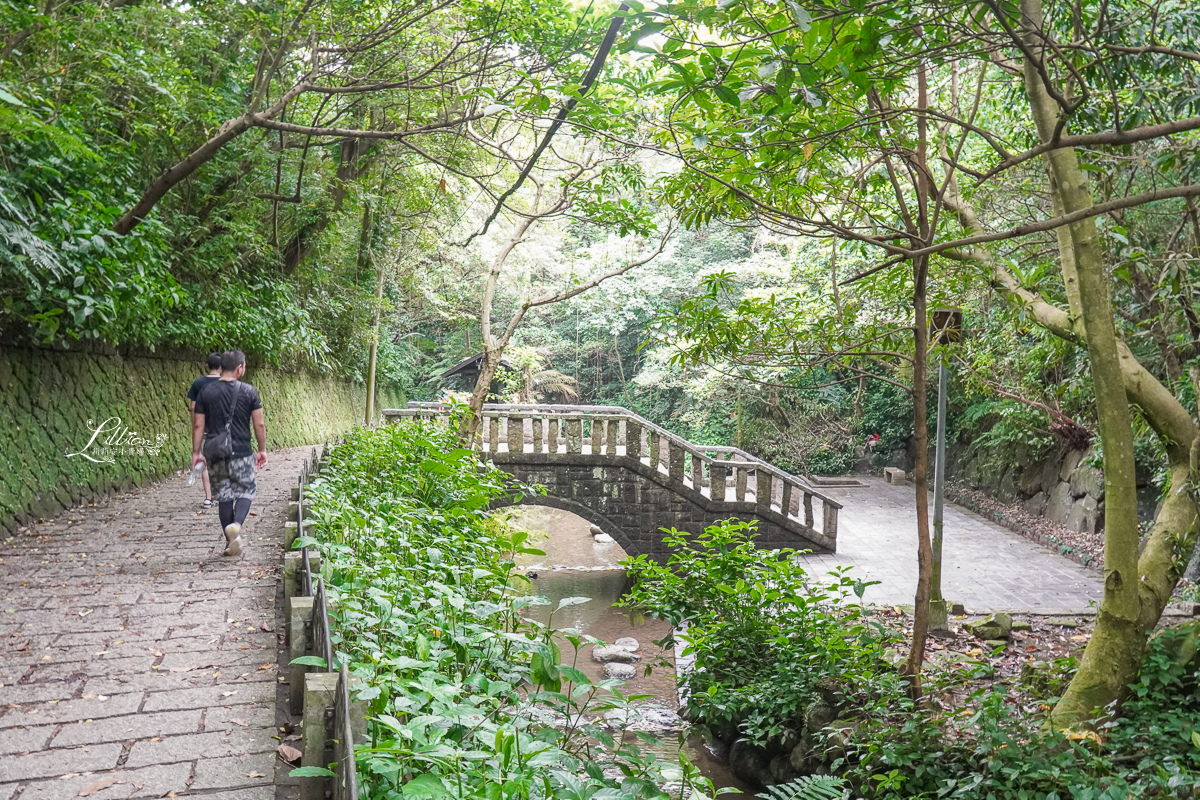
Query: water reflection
[{"x": 576, "y": 565}]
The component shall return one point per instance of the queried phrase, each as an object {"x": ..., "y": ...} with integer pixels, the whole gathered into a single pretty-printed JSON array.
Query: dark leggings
[{"x": 233, "y": 511}]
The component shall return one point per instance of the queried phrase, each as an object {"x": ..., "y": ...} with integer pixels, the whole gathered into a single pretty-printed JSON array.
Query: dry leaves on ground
[{"x": 97, "y": 785}]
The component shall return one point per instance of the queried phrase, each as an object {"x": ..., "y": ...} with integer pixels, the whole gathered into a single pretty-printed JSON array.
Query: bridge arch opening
[{"x": 576, "y": 564}]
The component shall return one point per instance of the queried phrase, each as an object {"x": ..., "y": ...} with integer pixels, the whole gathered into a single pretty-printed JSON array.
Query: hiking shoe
[
  {"x": 207, "y": 502},
  {"x": 233, "y": 539}
]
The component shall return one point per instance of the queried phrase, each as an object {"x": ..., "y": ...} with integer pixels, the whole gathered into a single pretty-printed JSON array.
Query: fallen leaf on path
[
  {"x": 265, "y": 666},
  {"x": 239, "y": 722},
  {"x": 95, "y": 786},
  {"x": 256, "y": 774},
  {"x": 288, "y": 753}
]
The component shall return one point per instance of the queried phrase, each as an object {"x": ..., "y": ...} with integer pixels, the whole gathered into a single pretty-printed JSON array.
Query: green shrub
[
  {"x": 990, "y": 745},
  {"x": 764, "y": 634},
  {"x": 460, "y": 686},
  {"x": 828, "y": 461},
  {"x": 888, "y": 411}
]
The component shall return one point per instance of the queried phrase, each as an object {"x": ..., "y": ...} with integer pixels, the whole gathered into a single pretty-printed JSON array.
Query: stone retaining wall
[{"x": 51, "y": 403}]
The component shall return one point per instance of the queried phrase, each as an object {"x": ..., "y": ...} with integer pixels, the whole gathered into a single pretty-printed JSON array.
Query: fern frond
[
  {"x": 808, "y": 787},
  {"x": 38, "y": 251}
]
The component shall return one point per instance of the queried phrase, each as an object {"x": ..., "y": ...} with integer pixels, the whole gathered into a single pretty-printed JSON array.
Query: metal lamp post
[{"x": 947, "y": 329}]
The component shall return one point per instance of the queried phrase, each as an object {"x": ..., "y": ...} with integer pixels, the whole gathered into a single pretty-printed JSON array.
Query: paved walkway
[
  {"x": 984, "y": 566},
  {"x": 135, "y": 661}
]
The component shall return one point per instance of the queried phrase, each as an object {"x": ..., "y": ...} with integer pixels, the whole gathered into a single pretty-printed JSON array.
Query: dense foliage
[
  {"x": 466, "y": 697},
  {"x": 766, "y": 637},
  {"x": 772, "y": 645}
]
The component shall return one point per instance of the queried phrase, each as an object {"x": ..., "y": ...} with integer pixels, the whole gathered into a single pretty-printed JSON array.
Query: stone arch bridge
[{"x": 632, "y": 478}]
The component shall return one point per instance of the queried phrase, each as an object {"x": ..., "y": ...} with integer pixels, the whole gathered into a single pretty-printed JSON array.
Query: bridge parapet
[{"x": 723, "y": 481}]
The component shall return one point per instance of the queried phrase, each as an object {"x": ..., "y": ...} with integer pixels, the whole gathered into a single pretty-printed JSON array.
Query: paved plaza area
[
  {"x": 985, "y": 566},
  {"x": 135, "y": 661}
]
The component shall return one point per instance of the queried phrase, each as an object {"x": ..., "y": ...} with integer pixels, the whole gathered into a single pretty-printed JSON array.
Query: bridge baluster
[
  {"x": 537, "y": 434},
  {"x": 597, "y": 433},
  {"x": 716, "y": 482},
  {"x": 808, "y": 512},
  {"x": 493, "y": 443},
  {"x": 514, "y": 434},
  {"x": 740, "y": 484},
  {"x": 575, "y": 435},
  {"x": 633, "y": 440},
  {"x": 552, "y": 437},
  {"x": 613, "y": 435},
  {"x": 654, "y": 444},
  {"x": 829, "y": 515},
  {"x": 697, "y": 472},
  {"x": 762, "y": 488},
  {"x": 674, "y": 461},
  {"x": 785, "y": 502}
]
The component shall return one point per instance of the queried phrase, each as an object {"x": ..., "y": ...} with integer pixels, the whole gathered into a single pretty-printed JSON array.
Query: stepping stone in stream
[
  {"x": 611, "y": 653},
  {"x": 622, "y": 672}
]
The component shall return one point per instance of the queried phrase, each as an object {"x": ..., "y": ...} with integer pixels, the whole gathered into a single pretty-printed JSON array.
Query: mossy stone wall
[{"x": 51, "y": 402}]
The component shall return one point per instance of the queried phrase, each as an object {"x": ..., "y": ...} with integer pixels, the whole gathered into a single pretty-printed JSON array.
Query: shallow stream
[{"x": 576, "y": 565}]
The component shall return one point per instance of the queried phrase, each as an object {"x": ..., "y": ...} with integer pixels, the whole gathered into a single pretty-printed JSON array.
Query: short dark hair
[
  {"x": 232, "y": 359},
  {"x": 214, "y": 360}
]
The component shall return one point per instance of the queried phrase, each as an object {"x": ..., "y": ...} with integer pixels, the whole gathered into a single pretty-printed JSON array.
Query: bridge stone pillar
[
  {"x": 633, "y": 439},
  {"x": 762, "y": 489},
  {"x": 597, "y": 436},
  {"x": 716, "y": 482},
  {"x": 674, "y": 460},
  {"x": 575, "y": 435},
  {"x": 829, "y": 515}
]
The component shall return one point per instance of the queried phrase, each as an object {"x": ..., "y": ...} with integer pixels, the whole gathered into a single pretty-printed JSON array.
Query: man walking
[
  {"x": 225, "y": 410},
  {"x": 214, "y": 372}
]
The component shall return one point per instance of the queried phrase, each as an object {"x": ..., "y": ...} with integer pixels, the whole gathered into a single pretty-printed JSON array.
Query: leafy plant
[
  {"x": 465, "y": 696},
  {"x": 808, "y": 787},
  {"x": 765, "y": 635}
]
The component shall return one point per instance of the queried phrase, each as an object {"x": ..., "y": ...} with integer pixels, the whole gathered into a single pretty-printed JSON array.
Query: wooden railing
[{"x": 720, "y": 474}]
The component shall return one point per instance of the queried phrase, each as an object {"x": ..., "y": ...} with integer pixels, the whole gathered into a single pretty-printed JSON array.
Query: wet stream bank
[{"x": 577, "y": 565}]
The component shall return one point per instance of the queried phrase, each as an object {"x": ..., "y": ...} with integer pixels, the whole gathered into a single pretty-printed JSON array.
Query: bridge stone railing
[{"x": 718, "y": 475}]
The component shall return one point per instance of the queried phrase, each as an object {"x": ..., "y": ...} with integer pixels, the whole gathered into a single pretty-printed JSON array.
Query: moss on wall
[{"x": 51, "y": 402}]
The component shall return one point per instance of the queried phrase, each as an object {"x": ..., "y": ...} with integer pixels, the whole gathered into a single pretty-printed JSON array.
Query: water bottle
[{"x": 195, "y": 473}]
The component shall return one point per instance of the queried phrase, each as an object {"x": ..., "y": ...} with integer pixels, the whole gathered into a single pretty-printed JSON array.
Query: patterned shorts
[{"x": 233, "y": 479}]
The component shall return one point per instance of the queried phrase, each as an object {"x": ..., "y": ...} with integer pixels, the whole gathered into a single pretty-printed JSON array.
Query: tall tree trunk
[
  {"x": 352, "y": 166},
  {"x": 366, "y": 258},
  {"x": 916, "y": 654},
  {"x": 1113, "y": 655},
  {"x": 920, "y": 266}
]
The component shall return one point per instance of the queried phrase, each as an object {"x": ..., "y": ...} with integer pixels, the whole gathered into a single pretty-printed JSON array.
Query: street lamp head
[{"x": 946, "y": 325}]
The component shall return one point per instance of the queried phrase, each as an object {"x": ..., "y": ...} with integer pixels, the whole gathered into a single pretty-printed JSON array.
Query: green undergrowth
[
  {"x": 788, "y": 663},
  {"x": 465, "y": 697}
]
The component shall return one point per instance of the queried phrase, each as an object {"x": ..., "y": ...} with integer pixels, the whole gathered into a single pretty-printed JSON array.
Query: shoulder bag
[{"x": 219, "y": 446}]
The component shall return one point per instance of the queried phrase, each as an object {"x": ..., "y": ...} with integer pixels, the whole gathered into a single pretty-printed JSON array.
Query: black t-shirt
[
  {"x": 215, "y": 401},
  {"x": 199, "y": 384}
]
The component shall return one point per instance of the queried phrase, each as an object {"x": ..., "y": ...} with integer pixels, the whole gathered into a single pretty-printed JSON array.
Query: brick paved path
[
  {"x": 984, "y": 566},
  {"x": 132, "y": 652}
]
